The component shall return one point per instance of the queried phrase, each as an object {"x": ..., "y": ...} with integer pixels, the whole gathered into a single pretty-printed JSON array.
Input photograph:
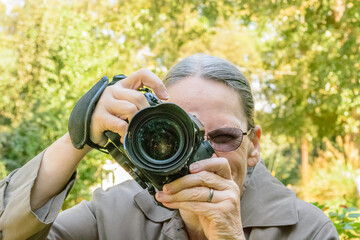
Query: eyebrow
[{"x": 228, "y": 125}]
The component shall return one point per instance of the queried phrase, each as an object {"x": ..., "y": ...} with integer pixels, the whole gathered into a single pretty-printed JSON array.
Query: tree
[
  {"x": 56, "y": 50},
  {"x": 317, "y": 44}
]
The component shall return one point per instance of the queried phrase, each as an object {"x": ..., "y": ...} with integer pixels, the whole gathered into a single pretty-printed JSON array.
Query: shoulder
[
  {"x": 124, "y": 192},
  {"x": 115, "y": 204},
  {"x": 273, "y": 210},
  {"x": 316, "y": 223},
  {"x": 308, "y": 211}
]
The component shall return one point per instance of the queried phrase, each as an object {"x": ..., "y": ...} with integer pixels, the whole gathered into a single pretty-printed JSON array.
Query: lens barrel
[{"x": 160, "y": 139}]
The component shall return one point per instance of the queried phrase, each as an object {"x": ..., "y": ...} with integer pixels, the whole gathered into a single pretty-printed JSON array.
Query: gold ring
[{"x": 211, "y": 195}]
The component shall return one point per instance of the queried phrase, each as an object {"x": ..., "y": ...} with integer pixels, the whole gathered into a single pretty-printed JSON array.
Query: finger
[
  {"x": 122, "y": 109},
  {"x": 145, "y": 77},
  {"x": 130, "y": 95},
  {"x": 115, "y": 124},
  {"x": 197, "y": 194},
  {"x": 200, "y": 179},
  {"x": 219, "y": 166}
]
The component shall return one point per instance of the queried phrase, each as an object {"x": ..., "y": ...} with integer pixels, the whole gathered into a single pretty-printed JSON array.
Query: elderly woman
[{"x": 228, "y": 196}]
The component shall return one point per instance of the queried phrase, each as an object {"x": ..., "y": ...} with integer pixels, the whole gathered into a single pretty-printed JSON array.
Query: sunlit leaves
[{"x": 52, "y": 52}]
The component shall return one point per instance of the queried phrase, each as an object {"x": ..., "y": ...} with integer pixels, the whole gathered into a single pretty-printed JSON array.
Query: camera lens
[{"x": 160, "y": 138}]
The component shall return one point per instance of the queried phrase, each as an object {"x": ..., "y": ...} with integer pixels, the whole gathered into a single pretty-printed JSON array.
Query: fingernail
[
  {"x": 164, "y": 94},
  {"x": 159, "y": 195},
  {"x": 194, "y": 167},
  {"x": 166, "y": 188}
]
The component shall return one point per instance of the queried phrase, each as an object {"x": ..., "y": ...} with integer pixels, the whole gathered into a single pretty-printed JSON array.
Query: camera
[{"x": 161, "y": 142}]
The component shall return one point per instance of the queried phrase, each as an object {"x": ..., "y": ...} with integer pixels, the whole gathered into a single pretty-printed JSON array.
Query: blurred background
[{"x": 301, "y": 57}]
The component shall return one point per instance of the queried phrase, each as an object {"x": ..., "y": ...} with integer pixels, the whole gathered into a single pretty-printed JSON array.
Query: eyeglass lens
[{"x": 225, "y": 139}]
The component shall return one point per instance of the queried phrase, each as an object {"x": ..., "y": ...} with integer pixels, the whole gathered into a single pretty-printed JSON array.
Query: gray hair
[{"x": 214, "y": 68}]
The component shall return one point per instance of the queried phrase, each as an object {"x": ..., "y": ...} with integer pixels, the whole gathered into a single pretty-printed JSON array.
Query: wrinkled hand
[
  {"x": 220, "y": 218},
  {"x": 119, "y": 103}
]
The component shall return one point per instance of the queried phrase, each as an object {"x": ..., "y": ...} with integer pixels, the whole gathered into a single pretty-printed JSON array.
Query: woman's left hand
[{"x": 220, "y": 218}]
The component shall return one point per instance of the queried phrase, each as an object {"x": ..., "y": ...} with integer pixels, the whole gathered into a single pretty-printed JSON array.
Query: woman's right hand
[{"x": 119, "y": 102}]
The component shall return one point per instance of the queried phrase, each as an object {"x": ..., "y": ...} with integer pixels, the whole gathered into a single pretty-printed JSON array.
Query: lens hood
[{"x": 160, "y": 139}]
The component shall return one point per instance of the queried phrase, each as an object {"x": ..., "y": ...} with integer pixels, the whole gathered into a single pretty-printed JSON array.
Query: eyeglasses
[{"x": 226, "y": 139}]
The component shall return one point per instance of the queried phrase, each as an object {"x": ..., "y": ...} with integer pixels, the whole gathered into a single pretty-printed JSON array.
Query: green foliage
[
  {"x": 332, "y": 175},
  {"x": 281, "y": 157},
  {"x": 312, "y": 51},
  {"x": 334, "y": 185},
  {"x": 311, "y": 54},
  {"x": 52, "y": 52},
  {"x": 3, "y": 171},
  {"x": 346, "y": 220}
]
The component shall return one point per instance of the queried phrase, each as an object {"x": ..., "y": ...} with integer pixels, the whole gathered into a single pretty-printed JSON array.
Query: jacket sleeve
[
  {"x": 17, "y": 219},
  {"x": 327, "y": 232}
]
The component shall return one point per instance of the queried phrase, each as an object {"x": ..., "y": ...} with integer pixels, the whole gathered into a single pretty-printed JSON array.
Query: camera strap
[{"x": 80, "y": 117}]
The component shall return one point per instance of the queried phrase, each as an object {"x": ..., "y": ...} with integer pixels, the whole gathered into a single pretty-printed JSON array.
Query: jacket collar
[
  {"x": 151, "y": 209},
  {"x": 266, "y": 202},
  {"x": 173, "y": 229}
]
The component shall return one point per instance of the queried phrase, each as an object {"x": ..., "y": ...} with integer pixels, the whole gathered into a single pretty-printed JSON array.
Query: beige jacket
[{"x": 269, "y": 211}]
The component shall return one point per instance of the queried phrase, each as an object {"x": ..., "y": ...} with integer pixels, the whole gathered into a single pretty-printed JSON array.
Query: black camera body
[{"x": 161, "y": 142}]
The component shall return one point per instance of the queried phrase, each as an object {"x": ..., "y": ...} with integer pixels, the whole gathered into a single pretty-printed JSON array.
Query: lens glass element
[{"x": 160, "y": 138}]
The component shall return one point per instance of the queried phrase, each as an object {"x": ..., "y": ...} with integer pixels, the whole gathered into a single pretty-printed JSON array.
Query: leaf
[
  {"x": 354, "y": 215},
  {"x": 341, "y": 216},
  {"x": 352, "y": 209},
  {"x": 333, "y": 214},
  {"x": 348, "y": 227}
]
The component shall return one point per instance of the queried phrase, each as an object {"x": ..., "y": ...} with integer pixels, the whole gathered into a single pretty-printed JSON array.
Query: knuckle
[
  {"x": 231, "y": 185},
  {"x": 180, "y": 196},
  {"x": 233, "y": 195},
  {"x": 117, "y": 124},
  {"x": 131, "y": 109},
  {"x": 121, "y": 125},
  {"x": 112, "y": 91},
  {"x": 226, "y": 208},
  {"x": 197, "y": 193},
  {"x": 204, "y": 178},
  {"x": 176, "y": 197},
  {"x": 143, "y": 71},
  {"x": 139, "y": 98},
  {"x": 116, "y": 90},
  {"x": 205, "y": 193},
  {"x": 233, "y": 198},
  {"x": 234, "y": 186},
  {"x": 109, "y": 90},
  {"x": 104, "y": 98},
  {"x": 223, "y": 161}
]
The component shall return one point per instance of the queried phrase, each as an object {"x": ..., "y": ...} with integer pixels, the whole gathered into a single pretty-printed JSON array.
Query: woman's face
[{"x": 216, "y": 106}]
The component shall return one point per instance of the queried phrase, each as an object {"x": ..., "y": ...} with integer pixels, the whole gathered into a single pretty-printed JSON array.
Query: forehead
[{"x": 212, "y": 102}]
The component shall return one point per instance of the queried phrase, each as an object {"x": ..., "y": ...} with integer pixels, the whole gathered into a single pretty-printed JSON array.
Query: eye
[{"x": 224, "y": 135}]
